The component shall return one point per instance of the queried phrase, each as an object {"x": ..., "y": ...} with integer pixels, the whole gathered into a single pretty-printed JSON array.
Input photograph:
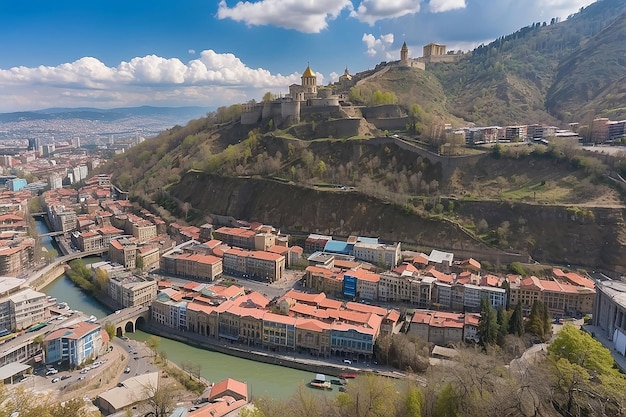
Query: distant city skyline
[{"x": 162, "y": 53}]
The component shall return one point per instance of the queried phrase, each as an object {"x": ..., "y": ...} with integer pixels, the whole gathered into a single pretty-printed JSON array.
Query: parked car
[
  {"x": 64, "y": 377},
  {"x": 347, "y": 361},
  {"x": 127, "y": 370},
  {"x": 51, "y": 372},
  {"x": 55, "y": 380}
]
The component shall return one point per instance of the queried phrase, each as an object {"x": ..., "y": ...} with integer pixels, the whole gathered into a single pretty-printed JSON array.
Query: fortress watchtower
[{"x": 404, "y": 54}]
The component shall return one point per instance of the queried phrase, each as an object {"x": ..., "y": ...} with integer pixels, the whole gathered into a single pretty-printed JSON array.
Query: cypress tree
[
  {"x": 488, "y": 323},
  {"x": 516, "y": 323}
]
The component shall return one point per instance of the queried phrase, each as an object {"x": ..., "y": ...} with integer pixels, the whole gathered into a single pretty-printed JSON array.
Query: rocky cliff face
[{"x": 554, "y": 234}]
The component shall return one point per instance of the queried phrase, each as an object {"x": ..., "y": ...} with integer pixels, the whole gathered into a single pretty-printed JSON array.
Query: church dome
[{"x": 308, "y": 72}]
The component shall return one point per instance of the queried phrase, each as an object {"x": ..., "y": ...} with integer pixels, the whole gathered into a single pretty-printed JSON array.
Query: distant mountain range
[{"x": 181, "y": 114}]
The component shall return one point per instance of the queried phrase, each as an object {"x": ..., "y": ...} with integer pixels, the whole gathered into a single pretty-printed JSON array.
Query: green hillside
[
  {"x": 591, "y": 81},
  {"x": 422, "y": 187},
  {"x": 508, "y": 80}
]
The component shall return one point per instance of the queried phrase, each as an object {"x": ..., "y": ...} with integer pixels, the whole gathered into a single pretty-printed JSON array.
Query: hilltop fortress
[{"x": 307, "y": 101}]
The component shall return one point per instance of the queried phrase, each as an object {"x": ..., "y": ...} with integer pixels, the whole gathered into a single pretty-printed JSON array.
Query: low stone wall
[
  {"x": 338, "y": 128},
  {"x": 382, "y": 111},
  {"x": 390, "y": 123}
]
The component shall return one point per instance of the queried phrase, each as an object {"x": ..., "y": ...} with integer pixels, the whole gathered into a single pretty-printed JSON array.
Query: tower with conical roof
[
  {"x": 309, "y": 80},
  {"x": 404, "y": 54}
]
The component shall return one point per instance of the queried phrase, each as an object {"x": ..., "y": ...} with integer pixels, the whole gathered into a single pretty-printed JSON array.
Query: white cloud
[
  {"x": 371, "y": 11},
  {"x": 211, "y": 79},
  {"x": 440, "y": 6},
  {"x": 191, "y": 52},
  {"x": 310, "y": 16},
  {"x": 378, "y": 47}
]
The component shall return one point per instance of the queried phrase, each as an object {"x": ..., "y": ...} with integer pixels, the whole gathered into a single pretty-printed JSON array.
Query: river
[{"x": 262, "y": 379}]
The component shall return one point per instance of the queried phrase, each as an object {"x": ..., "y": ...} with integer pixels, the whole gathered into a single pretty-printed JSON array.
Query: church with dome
[{"x": 304, "y": 98}]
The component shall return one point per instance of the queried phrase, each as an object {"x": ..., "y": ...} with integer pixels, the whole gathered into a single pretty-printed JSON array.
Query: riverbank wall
[
  {"x": 298, "y": 361},
  {"x": 47, "y": 275}
]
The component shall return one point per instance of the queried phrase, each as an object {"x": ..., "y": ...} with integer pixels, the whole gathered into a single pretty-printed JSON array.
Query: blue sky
[{"x": 113, "y": 53}]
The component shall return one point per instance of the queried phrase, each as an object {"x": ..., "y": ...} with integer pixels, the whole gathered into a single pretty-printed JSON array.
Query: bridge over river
[
  {"x": 39, "y": 279},
  {"x": 127, "y": 319}
]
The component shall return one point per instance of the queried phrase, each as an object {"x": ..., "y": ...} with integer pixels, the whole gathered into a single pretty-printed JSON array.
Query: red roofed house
[
  {"x": 439, "y": 327},
  {"x": 75, "y": 343},
  {"x": 236, "y": 236},
  {"x": 573, "y": 278},
  {"x": 322, "y": 279},
  {"x": 562, "y": 299},
  {"x": 226, "y": 396}
]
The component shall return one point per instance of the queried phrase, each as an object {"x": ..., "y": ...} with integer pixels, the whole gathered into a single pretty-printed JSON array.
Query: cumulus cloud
[
  {"x": 440, "y": 6},
  {"x": 311, "y": 16},
  {"x": 148, "y": 79},
  {"x": 378, "y": 47},
  {"x": 371, "y": 11}
]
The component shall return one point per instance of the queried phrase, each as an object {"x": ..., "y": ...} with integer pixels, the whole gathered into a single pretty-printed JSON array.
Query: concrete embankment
[
  {"x": 291, "y": 361},
  {"x": 46, "y": 276}
]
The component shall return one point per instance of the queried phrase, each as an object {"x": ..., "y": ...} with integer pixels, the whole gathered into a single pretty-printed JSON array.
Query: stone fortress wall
[{"x": 305, "y": 100}]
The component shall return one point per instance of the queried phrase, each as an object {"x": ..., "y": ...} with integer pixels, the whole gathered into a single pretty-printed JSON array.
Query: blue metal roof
[{"x": 338, "y": 246}]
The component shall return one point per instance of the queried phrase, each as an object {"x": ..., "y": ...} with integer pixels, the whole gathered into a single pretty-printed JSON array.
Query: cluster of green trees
[
  {"x": 494, "y": 325},
  {"x": 574, "y": 378},
  {"x": 374, "y": 98},
  {"x": 92, "y": 283}
]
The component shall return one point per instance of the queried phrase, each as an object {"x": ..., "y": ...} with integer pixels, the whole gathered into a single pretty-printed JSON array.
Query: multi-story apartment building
[
  {"x": 15, "y": 255},
  {"x": 88, "y": 241},
  {"x": 143, "y": 230},
  {"x": 149, "y": 256},
  {"x": 279, "y": 332},
  {"x": 395, "y": 287},
  {"x": 326, "y": 280},
  {"x": 351, "y": 340},
  {"x": 313, "y": 336},
  {"x": 131, "y": 291},
  {"x": 442, "y": 293},
  {"x": 378, "y": 253},
  {"x": 124, "y": 252},
  {"x": 512, "y": 133},
  {"x": 422, "y": 290},
  {"x": 561, "y": 299},
  {"x": 443, "y": 328},
  {"x": 75, "y": 343},
  {"x": 62, "y": 219},
  {"x": 256, "y": 264},
  {"x": 235, "y": 236},
  {"x": 316, "y": 243},
  {"x": 26, "y": 308}
]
